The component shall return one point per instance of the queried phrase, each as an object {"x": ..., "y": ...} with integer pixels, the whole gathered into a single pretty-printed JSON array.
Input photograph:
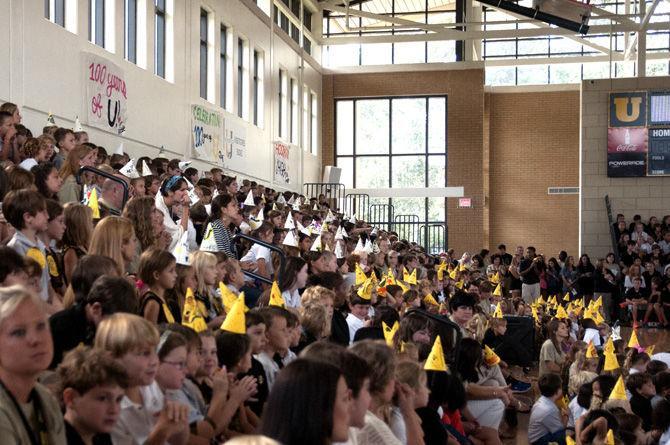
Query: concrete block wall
[{"x": 630, "y": 196}]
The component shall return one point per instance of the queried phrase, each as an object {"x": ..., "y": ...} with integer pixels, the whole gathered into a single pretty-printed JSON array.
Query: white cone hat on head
[
  {"x": 296, "y": 205},
  {"x": 374, "y": 232},
  {"x": 313, "y": 228},
  {"x": 274, "y": 206},
  {"x": 316, "y": 245},
  {"x": 330, "y": 217},
  {"x": 215, "y": 192},
  {"x": 129, "y": 170},
  {"x": 315, "y": 207},
  {"x": 338, "y": 234},
  {"x": 368, "y": 246},
  {"x": 359, "y": 246},
  {"x": 184, "y": 164},
  {"x": 291, "y": 200},
  {"x": 254, "y": 224},
  {"x": 344, "y": 233},
  {"x": 191, "y": 191},
  {"x": 281, "y": 200},
  {"x": 51, "y": 122},
  {"x": 290, "y": 239},
  {"x": 249, "y": 202},
  {"x": 119, "y": 149},
  {"x": 289, "y": 224},
  {"x": 77, "y": 125},
  {"x": 261, "y": 215},
  {"x": 146, "y": 171},
  {"x": 180, "y": 251},
  {"x": 339, "y": 250},
  {"x": 302, "y": 229}
]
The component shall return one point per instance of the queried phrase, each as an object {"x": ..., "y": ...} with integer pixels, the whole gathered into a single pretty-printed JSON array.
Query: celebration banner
[
  {"x": 282, "y": 168},
  {"x": 106, "y": 96},
  {"x": 206, "y": 129},
  {"x": 234, "y": 154}
]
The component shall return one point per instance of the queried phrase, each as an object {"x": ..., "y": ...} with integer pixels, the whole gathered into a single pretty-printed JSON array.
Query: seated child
[
  {"x": 547, "y": 422},
  {"x": 642, "y": 389},
  {"x": 92, "y": 389},
  {"x": 358, "y": 315}
]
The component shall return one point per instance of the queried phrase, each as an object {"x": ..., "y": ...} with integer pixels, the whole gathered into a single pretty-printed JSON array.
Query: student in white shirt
[
  {"x": 292, "y": 279},
  {"x": 358, "y": 315},
  {"x": 278, "y": 337},
  {"x": 258, "y": 255}
]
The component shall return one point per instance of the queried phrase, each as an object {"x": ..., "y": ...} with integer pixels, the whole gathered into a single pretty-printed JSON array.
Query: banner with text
[
  {"x": 282, "y": 169},
  {"x": 106, "y": 97},
  {"x": 206, "y": 129},
  {"x": 234, "y": 154}
]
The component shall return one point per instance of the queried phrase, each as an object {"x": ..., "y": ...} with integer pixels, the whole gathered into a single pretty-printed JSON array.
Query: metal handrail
[
  {"x": 108, "y": 176},
  {"x": 282, "y": 257}
]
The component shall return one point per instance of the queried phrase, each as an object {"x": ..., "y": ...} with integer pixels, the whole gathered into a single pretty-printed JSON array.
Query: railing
[
  {"x": 109, "y": 176},
  {"x": 282, "y": 257},
  {"x": 358, "y": 204},
  {"x": 381, "y": 215},
  {"x": 610, "y": 221},
  {"x": 407, "y": 227},
  {"x": 433, "y": 238},
  {"x": 333, "y": 192}
]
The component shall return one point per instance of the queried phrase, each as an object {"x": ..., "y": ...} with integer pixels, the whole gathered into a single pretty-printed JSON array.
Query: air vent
[{"x": 563, "y": 191}]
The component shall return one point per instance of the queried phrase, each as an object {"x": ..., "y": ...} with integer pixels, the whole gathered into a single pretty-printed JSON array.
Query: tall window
[
  {"x": 396, "y": 143},
  {"x": 224, "y": 60},
  {"x": 294, "y": 111},
  {"x": 130, "y": 44},
  {"x": 242, "y": 79},
  {"x": 204, "y": 18},
  {"x": 313, "y": 124},
  {"x": 257, "y": 89},
  {"x": 159, "y": 42},
  {"x": 96, "y": 22},
  {"x": 283, "y": 106},
  {"x": 306, "y": 104},
  {"x": 54, "y": 10}
]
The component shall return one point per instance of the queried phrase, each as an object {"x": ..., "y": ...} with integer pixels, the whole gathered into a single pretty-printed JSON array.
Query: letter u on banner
[{"x": 628, "y": 109}]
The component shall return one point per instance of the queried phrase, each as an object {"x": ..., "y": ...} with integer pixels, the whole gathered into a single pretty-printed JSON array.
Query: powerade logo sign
[{"x": 626, "y": 164}]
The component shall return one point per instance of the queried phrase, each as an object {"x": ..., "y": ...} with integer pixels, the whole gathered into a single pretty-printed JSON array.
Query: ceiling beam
[
  {"x": 630, "y": 49},
  {"x": 487, "y": 34}
]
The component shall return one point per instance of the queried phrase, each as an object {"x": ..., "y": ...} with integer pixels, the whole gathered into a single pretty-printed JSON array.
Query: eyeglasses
[{"x": 178, "y": 365}]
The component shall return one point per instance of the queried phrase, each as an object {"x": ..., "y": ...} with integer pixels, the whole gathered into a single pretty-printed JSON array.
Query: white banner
[
  {"x": 206, "y": 129},
  {"x": 283, "y": 173},
  {"x": 234, "y": 155},
  {"x": 105, "y": 94}
]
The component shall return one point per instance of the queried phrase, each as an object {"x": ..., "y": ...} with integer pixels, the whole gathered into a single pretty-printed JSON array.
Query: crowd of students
[{"x": 133, "y": 321}]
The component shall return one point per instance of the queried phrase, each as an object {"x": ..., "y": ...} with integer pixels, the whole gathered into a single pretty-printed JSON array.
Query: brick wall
[
  {"x": 534, "y": 144},
  {"x": 465, "y": 136},
  {"x": 630, "y": 196}
]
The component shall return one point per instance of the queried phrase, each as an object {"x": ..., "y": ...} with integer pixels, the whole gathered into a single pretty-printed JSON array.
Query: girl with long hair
[
  {"x": 81, "y": 156},
  {"x": 77, "y": 236},
  {"x": 292, "y": 278},
  {"x": 114, "y": 237}
]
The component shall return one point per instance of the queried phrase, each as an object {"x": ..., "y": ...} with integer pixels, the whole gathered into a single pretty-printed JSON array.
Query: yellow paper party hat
[
  {"x": 453, "y": 273},
  {"x": 619, "y": 390},
  {"x": 650, "y": 350},
  {"x": 498, "y": 312},
  {"x": 191, "y": 317},
  {"x": 429, "y": 299},
  {"x": 569, "y": 440},
  {"x": 490, "y": 357},
  {"x": 390, "y": 278},
  {"x": 459, "y": 284},
  {"x": 567, "y": 296},
  {"x": 611, "y": 362},
  {"x": 609, "y": 345},
  {"x": 227, "y": 297},
  {"x": 365, "y": 291},
  {"x": 409, "y": 278},
  {"x": 93, "y": 203},
  {"x": 561, "y": 314},
  {"x": 389, "y": 332},
  {"x": 360, "y": 275},
  {"x": 495, "y": 278},
  {"x": 633, "y": 342},
  {"x": 609, "y": 439},
  {"x": 440, "y": 271},
  {"x": 276, "y": 298},
  {"x": 235, "y": 320},
  {"x": 591, "y": 351},
  {"x": 435, "y": 360},
  {"x": 498, "y": 291}
]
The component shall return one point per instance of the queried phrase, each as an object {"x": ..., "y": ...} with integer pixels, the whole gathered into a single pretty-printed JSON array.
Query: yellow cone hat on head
[
  {"x": 633, "y": 342},
  {"x": 360, "y": 275},
  {"x": 611, "y": 362},
  {"x": 498, "y": 291},
  {"x": 591, "y": 351},
  {"x": 650, "y": 350},
  {"x": 435, "y": 360},
  {"x": 429, "y": 299},
  {"x": 93, "y": 203},
  {"x": 569, "y": 440},
  {"x": 609, "y": 345},
  {"x": 389, "y": 332},
  {"x": 567, "y": 296},
  {"x": 490, "y": 357},
  {"x": 498, "y": 312},
  {"x": 409, "y": 278},
  {"x": 619, "y": 391},
  {"x": 609, "y": 439},
  {"x": 227, "y": 297},
  {"x": 365, "y": 291},
  {"x": 235, "y": 320},
  {"x": 191, "y": 317},
  {"x": 452, "y": 274},
  {"x": 440, "y": 271},
  {"x": 495, "y": 278},
  {"x": 561, "y": 314},
  {"x": 276, "y": 298}
]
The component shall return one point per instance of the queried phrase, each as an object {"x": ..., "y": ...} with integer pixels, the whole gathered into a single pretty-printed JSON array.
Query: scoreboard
[{"x": 638, "y": 137}]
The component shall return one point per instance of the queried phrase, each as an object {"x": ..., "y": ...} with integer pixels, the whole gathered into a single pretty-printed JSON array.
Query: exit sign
[{"x": 465, "y": 203}]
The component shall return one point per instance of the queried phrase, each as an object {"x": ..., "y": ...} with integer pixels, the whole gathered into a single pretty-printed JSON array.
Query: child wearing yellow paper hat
[{"x": 359, "y": 305}]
